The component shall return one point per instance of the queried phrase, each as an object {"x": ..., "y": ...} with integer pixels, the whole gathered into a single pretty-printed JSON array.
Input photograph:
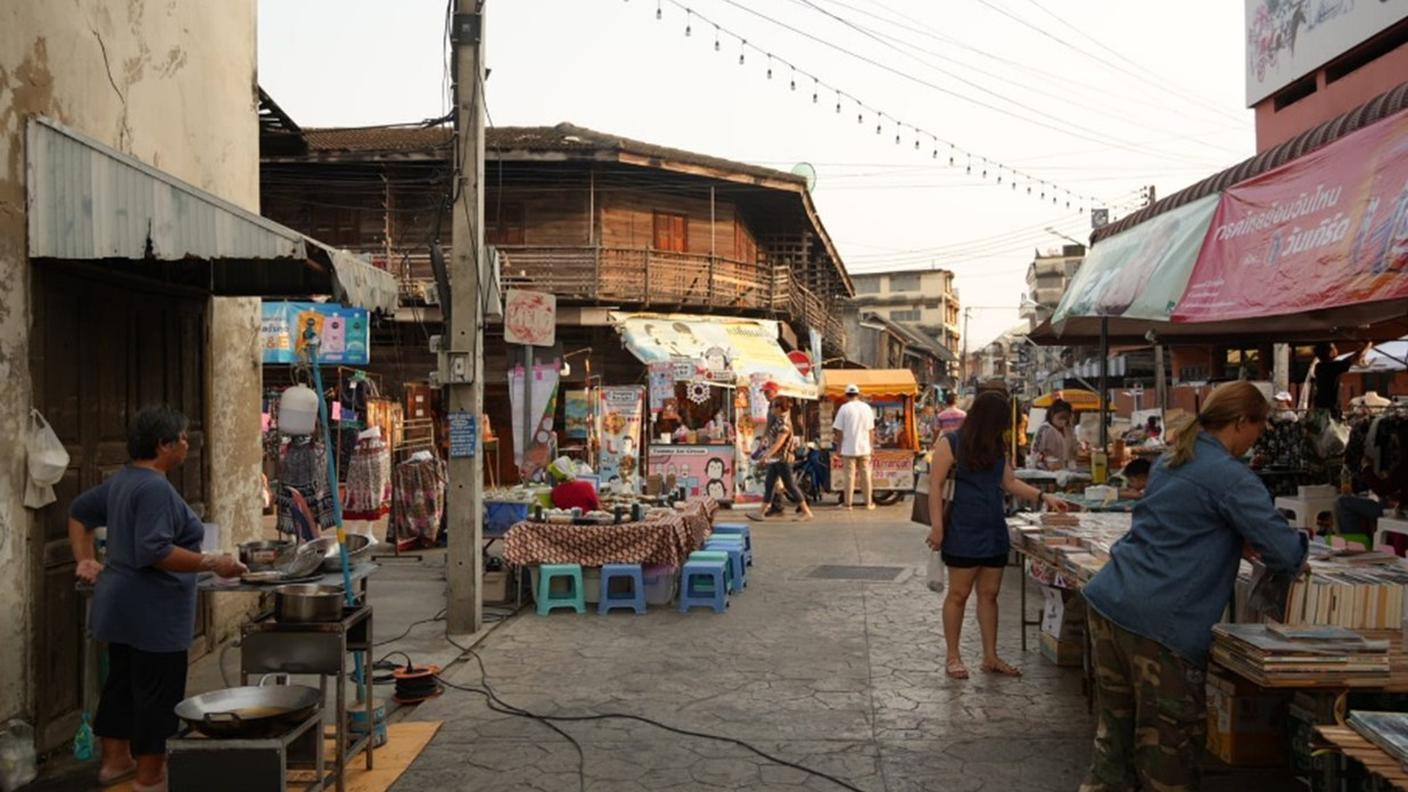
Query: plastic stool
[
  {"x": 703, "y": 583},
  {"x": 737, "y": 529},
  {"x": 736, "y": 564},
  {"x": 633, "y": 599},
  {"x": 718, "y": 555},
  {"x": 573, "y": 599}
]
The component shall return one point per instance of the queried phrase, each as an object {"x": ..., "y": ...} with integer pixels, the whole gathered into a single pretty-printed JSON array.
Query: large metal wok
[{"x": 253, "y": 711}]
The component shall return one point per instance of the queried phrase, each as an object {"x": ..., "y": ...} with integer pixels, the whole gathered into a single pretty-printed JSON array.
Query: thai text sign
[
  {"x": 890, "y": 469},
  {"x": 1327, "y": 230},
  {"x": 530, "y": 318},
  {"x": 702, "y": 470},
  {"x": 343, "y": 334}
]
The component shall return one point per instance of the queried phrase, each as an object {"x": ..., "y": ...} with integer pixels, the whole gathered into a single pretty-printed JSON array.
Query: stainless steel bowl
[
  {"x": 265, "y": 555},
  {"x": 359, "y": 549},
  {"x": 307, "y": 602}
]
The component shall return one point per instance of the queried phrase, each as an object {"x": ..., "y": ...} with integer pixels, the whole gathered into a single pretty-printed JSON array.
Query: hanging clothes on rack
[
  {"x": 303, "y": 494},
  {"x": 420, "y": 500},
  {"x": 368, "y": 479}
]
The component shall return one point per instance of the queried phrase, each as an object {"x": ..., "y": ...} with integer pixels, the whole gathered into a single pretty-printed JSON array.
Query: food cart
[{"x": 892, "y": 393}]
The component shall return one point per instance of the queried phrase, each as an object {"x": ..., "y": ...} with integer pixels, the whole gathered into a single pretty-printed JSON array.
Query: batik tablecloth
[{"x": 665, "y": 541}]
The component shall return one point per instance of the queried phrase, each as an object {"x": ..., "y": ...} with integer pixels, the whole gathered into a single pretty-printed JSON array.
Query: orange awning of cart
[
  {"x": 872, "y": 382},
  {"x": 1080, "y": 400}
]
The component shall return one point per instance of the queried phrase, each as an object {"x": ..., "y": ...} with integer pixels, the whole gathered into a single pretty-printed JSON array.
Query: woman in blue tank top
[{"x": 973, "y": 535}]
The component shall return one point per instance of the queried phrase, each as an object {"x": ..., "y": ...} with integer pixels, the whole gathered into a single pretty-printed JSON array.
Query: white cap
[
  {"x": 1284, "y": 396},
  {"x": 852, "y": 390}
]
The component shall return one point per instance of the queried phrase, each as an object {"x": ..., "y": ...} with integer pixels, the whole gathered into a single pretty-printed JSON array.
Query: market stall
[
  {"x": 699, "y": 415},
  {"x": 891, "y": 393}
]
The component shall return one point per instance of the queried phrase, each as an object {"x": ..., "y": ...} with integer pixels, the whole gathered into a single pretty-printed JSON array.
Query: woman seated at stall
[{"x": 1054, "y": 446}]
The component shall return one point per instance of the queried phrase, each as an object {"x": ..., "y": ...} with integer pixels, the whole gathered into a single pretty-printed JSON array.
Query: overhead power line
[{"x": 958, "y": 157}]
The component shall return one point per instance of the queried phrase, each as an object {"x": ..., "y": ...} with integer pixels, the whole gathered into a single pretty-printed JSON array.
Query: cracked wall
[{"x": 172, "y": 84}]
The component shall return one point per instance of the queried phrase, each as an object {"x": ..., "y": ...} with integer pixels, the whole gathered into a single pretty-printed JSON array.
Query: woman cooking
[
  {"x": 144, "y": 601},
  {"x": 1152, "y": 607},
  {"x": 1054, "y": 446}
]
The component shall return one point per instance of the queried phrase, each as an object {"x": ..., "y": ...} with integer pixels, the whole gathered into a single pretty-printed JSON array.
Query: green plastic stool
[{"x": 574, "y": 599}]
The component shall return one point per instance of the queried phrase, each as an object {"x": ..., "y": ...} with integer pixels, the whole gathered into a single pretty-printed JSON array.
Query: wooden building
[{"x": 604, "y": 222}]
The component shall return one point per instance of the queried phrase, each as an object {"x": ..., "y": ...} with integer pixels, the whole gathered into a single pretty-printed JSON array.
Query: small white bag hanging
[{"x": 47, "y": 462}]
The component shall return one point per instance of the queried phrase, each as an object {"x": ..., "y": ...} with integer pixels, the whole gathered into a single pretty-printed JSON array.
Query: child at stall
[{"x": 1136, "y": 478}]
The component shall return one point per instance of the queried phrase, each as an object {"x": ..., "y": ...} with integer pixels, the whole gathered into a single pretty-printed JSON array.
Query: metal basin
[
  {"x": 359, "y": 549},
  {"x": 262, "y": 711},
  {"x": 266, "y": 555},
  {"x": 307, "y": 602}
]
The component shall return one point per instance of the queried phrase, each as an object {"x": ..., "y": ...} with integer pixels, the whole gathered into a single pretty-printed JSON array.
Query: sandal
[
  {"x": 956, "y": 670},
  {"x": 110, "y": 778},
  {"x": 1001, "y": 668}
]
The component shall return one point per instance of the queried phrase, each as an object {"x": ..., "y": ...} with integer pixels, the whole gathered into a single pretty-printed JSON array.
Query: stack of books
[{"x": 1277, "y": 655}]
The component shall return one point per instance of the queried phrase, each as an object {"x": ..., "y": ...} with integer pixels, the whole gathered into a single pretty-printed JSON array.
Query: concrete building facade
[
  {"x": 923, "y": 299},
  {"x": 173, "y": 85}
]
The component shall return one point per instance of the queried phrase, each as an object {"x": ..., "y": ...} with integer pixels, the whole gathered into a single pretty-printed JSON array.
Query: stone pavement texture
[{"x": 842, "y": 676}]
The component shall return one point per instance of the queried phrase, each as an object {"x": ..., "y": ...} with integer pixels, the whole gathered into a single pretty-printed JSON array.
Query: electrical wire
[
  {"x": 437, "y": 617},
  {"x": 497, "y": 704},
  {"x": 954, "y": 151}
]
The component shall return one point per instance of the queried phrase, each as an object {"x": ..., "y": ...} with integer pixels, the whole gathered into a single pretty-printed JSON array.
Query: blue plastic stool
[
  {"x": 702, "y": 583},
  {"x": 737, "y": 529},
  {"x": 573, "y": 599},
  {"x": 737, "y": 567},
  {"x": 633, "y": 599}
]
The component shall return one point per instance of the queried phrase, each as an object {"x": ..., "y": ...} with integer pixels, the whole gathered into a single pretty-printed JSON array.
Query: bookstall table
[{"x": 1348, "y": 742}]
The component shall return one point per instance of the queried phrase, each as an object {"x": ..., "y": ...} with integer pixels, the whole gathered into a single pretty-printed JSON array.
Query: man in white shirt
[{"x": 855, "y": 437}]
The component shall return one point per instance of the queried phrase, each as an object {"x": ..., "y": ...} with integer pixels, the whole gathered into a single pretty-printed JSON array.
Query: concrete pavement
[{"x": 840, "y": 675}]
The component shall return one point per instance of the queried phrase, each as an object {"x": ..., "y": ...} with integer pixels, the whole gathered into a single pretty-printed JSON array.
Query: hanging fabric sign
[
  {"x": 662, "y": 385},
  {"x": 621, "y": 419},
  {"x": 576, "y": 411},
  {"x": 542, "y": 391},
  {"x": 343, "y": 333}
]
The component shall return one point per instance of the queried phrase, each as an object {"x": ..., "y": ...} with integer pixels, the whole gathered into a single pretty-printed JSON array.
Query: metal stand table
[
  {"x": 240, "y": 764},
  {"x": 318, "y": 648}
]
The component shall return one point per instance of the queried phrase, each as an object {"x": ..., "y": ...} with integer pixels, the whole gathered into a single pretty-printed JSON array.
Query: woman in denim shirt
[{"x": 1152, "y": 607}]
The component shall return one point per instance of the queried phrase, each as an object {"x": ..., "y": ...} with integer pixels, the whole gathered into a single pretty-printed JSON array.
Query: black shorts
[
  {"x": 140, "y": 697},
  {"x": 964, "y": 562}
]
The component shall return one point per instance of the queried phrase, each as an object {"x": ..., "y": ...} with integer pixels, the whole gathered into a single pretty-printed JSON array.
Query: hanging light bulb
[
  {"x": 999, "y": 174},
  {"x": 916, "y": 141},
  {"x": 897, "y": 134},
  {"x": 741, "y": 44},
  {"x": 769, "y": 67},
  {"x": 658, "y": 13},
  {"x": 878, "y": 118},
  {"x": 815, "y": 86},
  {"x": 838, "y": 102},
  {"x": 716, "y": 38},
  {"x": 688, "y": 23},
  {"x": 968, "y": 166},
  {"x": 985, "y": 167},
  {"x": 950, "y": 155}
]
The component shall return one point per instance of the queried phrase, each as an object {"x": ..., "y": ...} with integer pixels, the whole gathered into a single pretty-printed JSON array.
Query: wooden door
[{"x": 100, "y": 351}]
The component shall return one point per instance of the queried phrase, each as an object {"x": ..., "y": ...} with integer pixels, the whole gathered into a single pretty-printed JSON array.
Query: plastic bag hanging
[{"x": 47, "y": 462}]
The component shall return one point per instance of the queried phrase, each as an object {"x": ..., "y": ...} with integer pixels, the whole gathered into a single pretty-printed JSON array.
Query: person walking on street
[
  {"x": 952, "y": 417},
  {"x": 972, "y": 536},
  {"x": 1152, "y": 607},
  {"x": 855, "y": 437},
  {"x": 144, "y": 599},
  {"x": 775, "y": 451}
]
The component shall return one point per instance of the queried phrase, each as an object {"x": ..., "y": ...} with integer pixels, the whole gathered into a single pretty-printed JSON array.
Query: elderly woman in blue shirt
[{"x": 1167, "y": 583}]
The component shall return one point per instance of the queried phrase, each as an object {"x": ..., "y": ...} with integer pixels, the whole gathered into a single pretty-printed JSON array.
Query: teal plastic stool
[
  {"x": 730, "y": 580},
  {"x": 575, "y": 598}
]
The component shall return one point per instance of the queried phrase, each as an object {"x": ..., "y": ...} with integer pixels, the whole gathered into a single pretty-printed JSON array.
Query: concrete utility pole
[
  {"x": 963, "y": 363},
  {"x": 463, "y": 369}
]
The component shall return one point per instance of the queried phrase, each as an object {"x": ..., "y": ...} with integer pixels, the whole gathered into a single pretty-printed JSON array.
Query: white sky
[{"x": 1140, "y": 92}]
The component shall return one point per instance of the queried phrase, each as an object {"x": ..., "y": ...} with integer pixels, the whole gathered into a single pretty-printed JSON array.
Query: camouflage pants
[{"x": 1153, "y": 714}]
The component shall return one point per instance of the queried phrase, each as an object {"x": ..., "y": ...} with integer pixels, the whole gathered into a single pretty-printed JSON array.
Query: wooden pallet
[{"x": 1348, "y": 742}]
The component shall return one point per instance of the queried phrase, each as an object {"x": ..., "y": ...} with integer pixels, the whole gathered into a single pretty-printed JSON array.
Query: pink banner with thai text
[{"x": 1327, "y": 230}]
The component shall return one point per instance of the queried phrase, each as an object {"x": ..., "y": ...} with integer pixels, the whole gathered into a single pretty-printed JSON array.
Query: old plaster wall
[{"x": 172, "y": 83}]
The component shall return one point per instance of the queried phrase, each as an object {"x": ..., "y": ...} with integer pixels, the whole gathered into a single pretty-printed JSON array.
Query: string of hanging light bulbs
[{"x": 957, "y": 156}]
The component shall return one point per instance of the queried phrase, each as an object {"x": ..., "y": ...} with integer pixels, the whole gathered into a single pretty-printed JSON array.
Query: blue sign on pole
[{"x": 464, "y": 435}]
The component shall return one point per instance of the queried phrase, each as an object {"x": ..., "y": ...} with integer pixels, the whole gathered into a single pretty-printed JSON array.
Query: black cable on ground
[
  {"x": 499, "y": 705},
  {"x": 437, "y": 617}
]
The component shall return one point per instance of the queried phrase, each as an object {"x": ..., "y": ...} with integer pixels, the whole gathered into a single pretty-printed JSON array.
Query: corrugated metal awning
[{"x": 88, "y": 202}]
